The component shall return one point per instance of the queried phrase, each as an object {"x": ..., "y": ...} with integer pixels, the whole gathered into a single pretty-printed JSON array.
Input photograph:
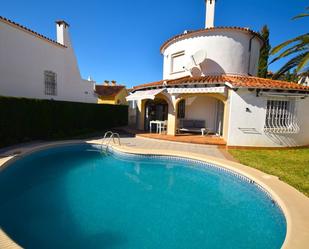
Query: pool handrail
[{"x": 110, "y": 138}]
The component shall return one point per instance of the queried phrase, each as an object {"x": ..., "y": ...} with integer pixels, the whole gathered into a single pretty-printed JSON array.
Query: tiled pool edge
[{"x": 292, "y": 202}]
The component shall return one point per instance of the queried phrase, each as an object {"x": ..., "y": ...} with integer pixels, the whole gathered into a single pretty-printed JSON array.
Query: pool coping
[{"x": 291, "y": 201}]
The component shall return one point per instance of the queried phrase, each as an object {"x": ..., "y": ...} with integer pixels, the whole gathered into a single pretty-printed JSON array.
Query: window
[
  {"x": 280, "y": 117},
  {"x": 50, "y": 80},
  {"x": 181, "y": 112},
  {"x": 177, "y": 62}
]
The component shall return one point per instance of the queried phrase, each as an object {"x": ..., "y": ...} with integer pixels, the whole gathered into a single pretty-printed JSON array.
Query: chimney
[
  {"x": 113, "y": 82},
  {"x": 63, "y": 33},
  {"x": 106, "y": 82},
  {"x": 210, "y": 13}
]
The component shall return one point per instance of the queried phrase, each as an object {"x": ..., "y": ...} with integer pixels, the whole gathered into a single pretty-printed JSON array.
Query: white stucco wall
[
  {"x": 227, "y": 53},
  {"x": 202, "y": 108},
  {"x": 25, "y": 57},
  {"x": 246, "y": 128}
]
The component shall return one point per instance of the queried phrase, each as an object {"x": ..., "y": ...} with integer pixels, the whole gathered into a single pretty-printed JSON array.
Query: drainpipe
[{"x": 250, "y": 48}]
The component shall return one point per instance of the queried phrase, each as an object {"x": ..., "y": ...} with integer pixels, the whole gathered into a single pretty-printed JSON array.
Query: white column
[{"x": 171, "y": 119}]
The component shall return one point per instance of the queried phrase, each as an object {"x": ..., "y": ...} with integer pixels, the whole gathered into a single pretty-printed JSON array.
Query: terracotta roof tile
[
  {"x": 5, "y": 20},
  {"x": 108, "y": 91},
  {"x": 201, "y": 31},
  {"x": 236, "y": 81}
]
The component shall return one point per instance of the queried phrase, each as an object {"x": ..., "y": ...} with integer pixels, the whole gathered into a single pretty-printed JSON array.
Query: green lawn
[{"x": 291, "y": 166}]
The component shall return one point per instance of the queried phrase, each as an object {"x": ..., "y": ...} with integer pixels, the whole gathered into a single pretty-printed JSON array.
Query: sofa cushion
[
  {"x": 187, "y": 123},
  {"x": 199, "y": 123}
]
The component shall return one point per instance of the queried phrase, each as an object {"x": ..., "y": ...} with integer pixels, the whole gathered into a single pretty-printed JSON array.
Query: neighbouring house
[
  {"x": 111, "y": 93},
  {"x": 34, "y": 66},
  {"x": 209, "y": 80},
  {"x": 304, "y": 79}
]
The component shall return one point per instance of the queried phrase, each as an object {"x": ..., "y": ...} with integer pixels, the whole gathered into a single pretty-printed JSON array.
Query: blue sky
[{"x": 120, "y": 40}]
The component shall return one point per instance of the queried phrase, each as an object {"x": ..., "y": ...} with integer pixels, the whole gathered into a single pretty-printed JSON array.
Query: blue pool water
[{"x": 77, "y": 197}]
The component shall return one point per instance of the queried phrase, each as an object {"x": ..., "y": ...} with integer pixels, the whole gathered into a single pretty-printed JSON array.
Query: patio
[
  {"x": 183, "y": 138},
  {"x": 187, "y": 138}
]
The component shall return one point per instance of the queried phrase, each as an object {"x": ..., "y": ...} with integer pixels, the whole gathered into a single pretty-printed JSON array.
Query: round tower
[{"x": 228, "y": 50}]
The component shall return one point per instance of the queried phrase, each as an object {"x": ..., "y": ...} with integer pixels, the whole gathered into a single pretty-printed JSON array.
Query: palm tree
[{"x": 299, "y": 47}]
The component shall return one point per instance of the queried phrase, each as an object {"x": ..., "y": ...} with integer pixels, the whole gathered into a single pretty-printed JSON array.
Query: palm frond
[
  {"x": 300, "y": 16},
  {"x": 303, "y": 62},
  {"x": 295, "y": 49},
  {"x": 306, "y": 69},
  {"x": 298, "y": 46},
  {"x": 289, "y": 65},
  {"x": 288, "y": 42}
]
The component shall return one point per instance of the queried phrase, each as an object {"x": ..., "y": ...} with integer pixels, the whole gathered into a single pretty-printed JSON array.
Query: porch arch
[
  {"x": 219, "y": 119},
  {"x": 218, "y": 96},
  {"x": 142, "y": 105},
  {"x": 171, "y": 117}
]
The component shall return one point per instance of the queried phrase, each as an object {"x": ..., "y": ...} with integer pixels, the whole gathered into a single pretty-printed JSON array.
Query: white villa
[
  {"x": 34, "y": 66},
  {"x": 210, "y": 85}
]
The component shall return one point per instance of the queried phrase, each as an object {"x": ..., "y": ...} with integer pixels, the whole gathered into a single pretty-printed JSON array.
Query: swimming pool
[{"x": 78, "y": 197}]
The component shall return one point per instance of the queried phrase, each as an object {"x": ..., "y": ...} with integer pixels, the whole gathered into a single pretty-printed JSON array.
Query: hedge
[{"x": 24, "y": 119}]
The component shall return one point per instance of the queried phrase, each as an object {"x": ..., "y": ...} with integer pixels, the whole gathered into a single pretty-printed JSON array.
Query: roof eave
[
  {"x": 27, "y": 30},
  {"x": 195, "y": 32},
  {"x": 272, "y": 88}
]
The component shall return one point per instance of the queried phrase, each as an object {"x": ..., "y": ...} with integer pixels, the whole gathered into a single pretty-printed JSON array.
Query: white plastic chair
[{"x": 162, "y": 126}]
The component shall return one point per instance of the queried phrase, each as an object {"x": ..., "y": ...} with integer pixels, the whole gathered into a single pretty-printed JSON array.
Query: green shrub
[{"x": 24, "y": 119}]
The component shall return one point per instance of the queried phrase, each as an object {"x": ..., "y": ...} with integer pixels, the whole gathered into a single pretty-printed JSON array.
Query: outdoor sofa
[{"x": 193, "y": 126}]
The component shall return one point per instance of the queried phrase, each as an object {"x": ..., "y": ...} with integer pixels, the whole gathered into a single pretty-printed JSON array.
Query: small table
[{"x": 158, "y": 124}]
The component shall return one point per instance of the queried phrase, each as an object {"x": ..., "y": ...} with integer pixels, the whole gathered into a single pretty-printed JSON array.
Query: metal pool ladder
[{"x": 109, "y": 137}]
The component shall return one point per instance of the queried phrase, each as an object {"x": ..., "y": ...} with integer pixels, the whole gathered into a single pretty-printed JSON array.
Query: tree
[
  {"x": 291, "y": 77},
  {"x": 264, "y": 53},
  {"x": 297, "y": 47}
]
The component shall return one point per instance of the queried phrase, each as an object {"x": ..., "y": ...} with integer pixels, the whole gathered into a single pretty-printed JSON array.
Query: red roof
[
  {"x": 236, "y": 81},
  {"x": 108, "y": 91},
  {"x": 202, "y": 31},
  {"x": 5, "y": 20}
]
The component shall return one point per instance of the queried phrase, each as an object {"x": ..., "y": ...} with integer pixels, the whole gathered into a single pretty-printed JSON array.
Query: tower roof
[{"x": 208, "y": 30}]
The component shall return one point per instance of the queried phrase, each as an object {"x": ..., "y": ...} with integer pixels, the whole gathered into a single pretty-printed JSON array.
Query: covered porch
[{"x": 191, "y": 115}]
